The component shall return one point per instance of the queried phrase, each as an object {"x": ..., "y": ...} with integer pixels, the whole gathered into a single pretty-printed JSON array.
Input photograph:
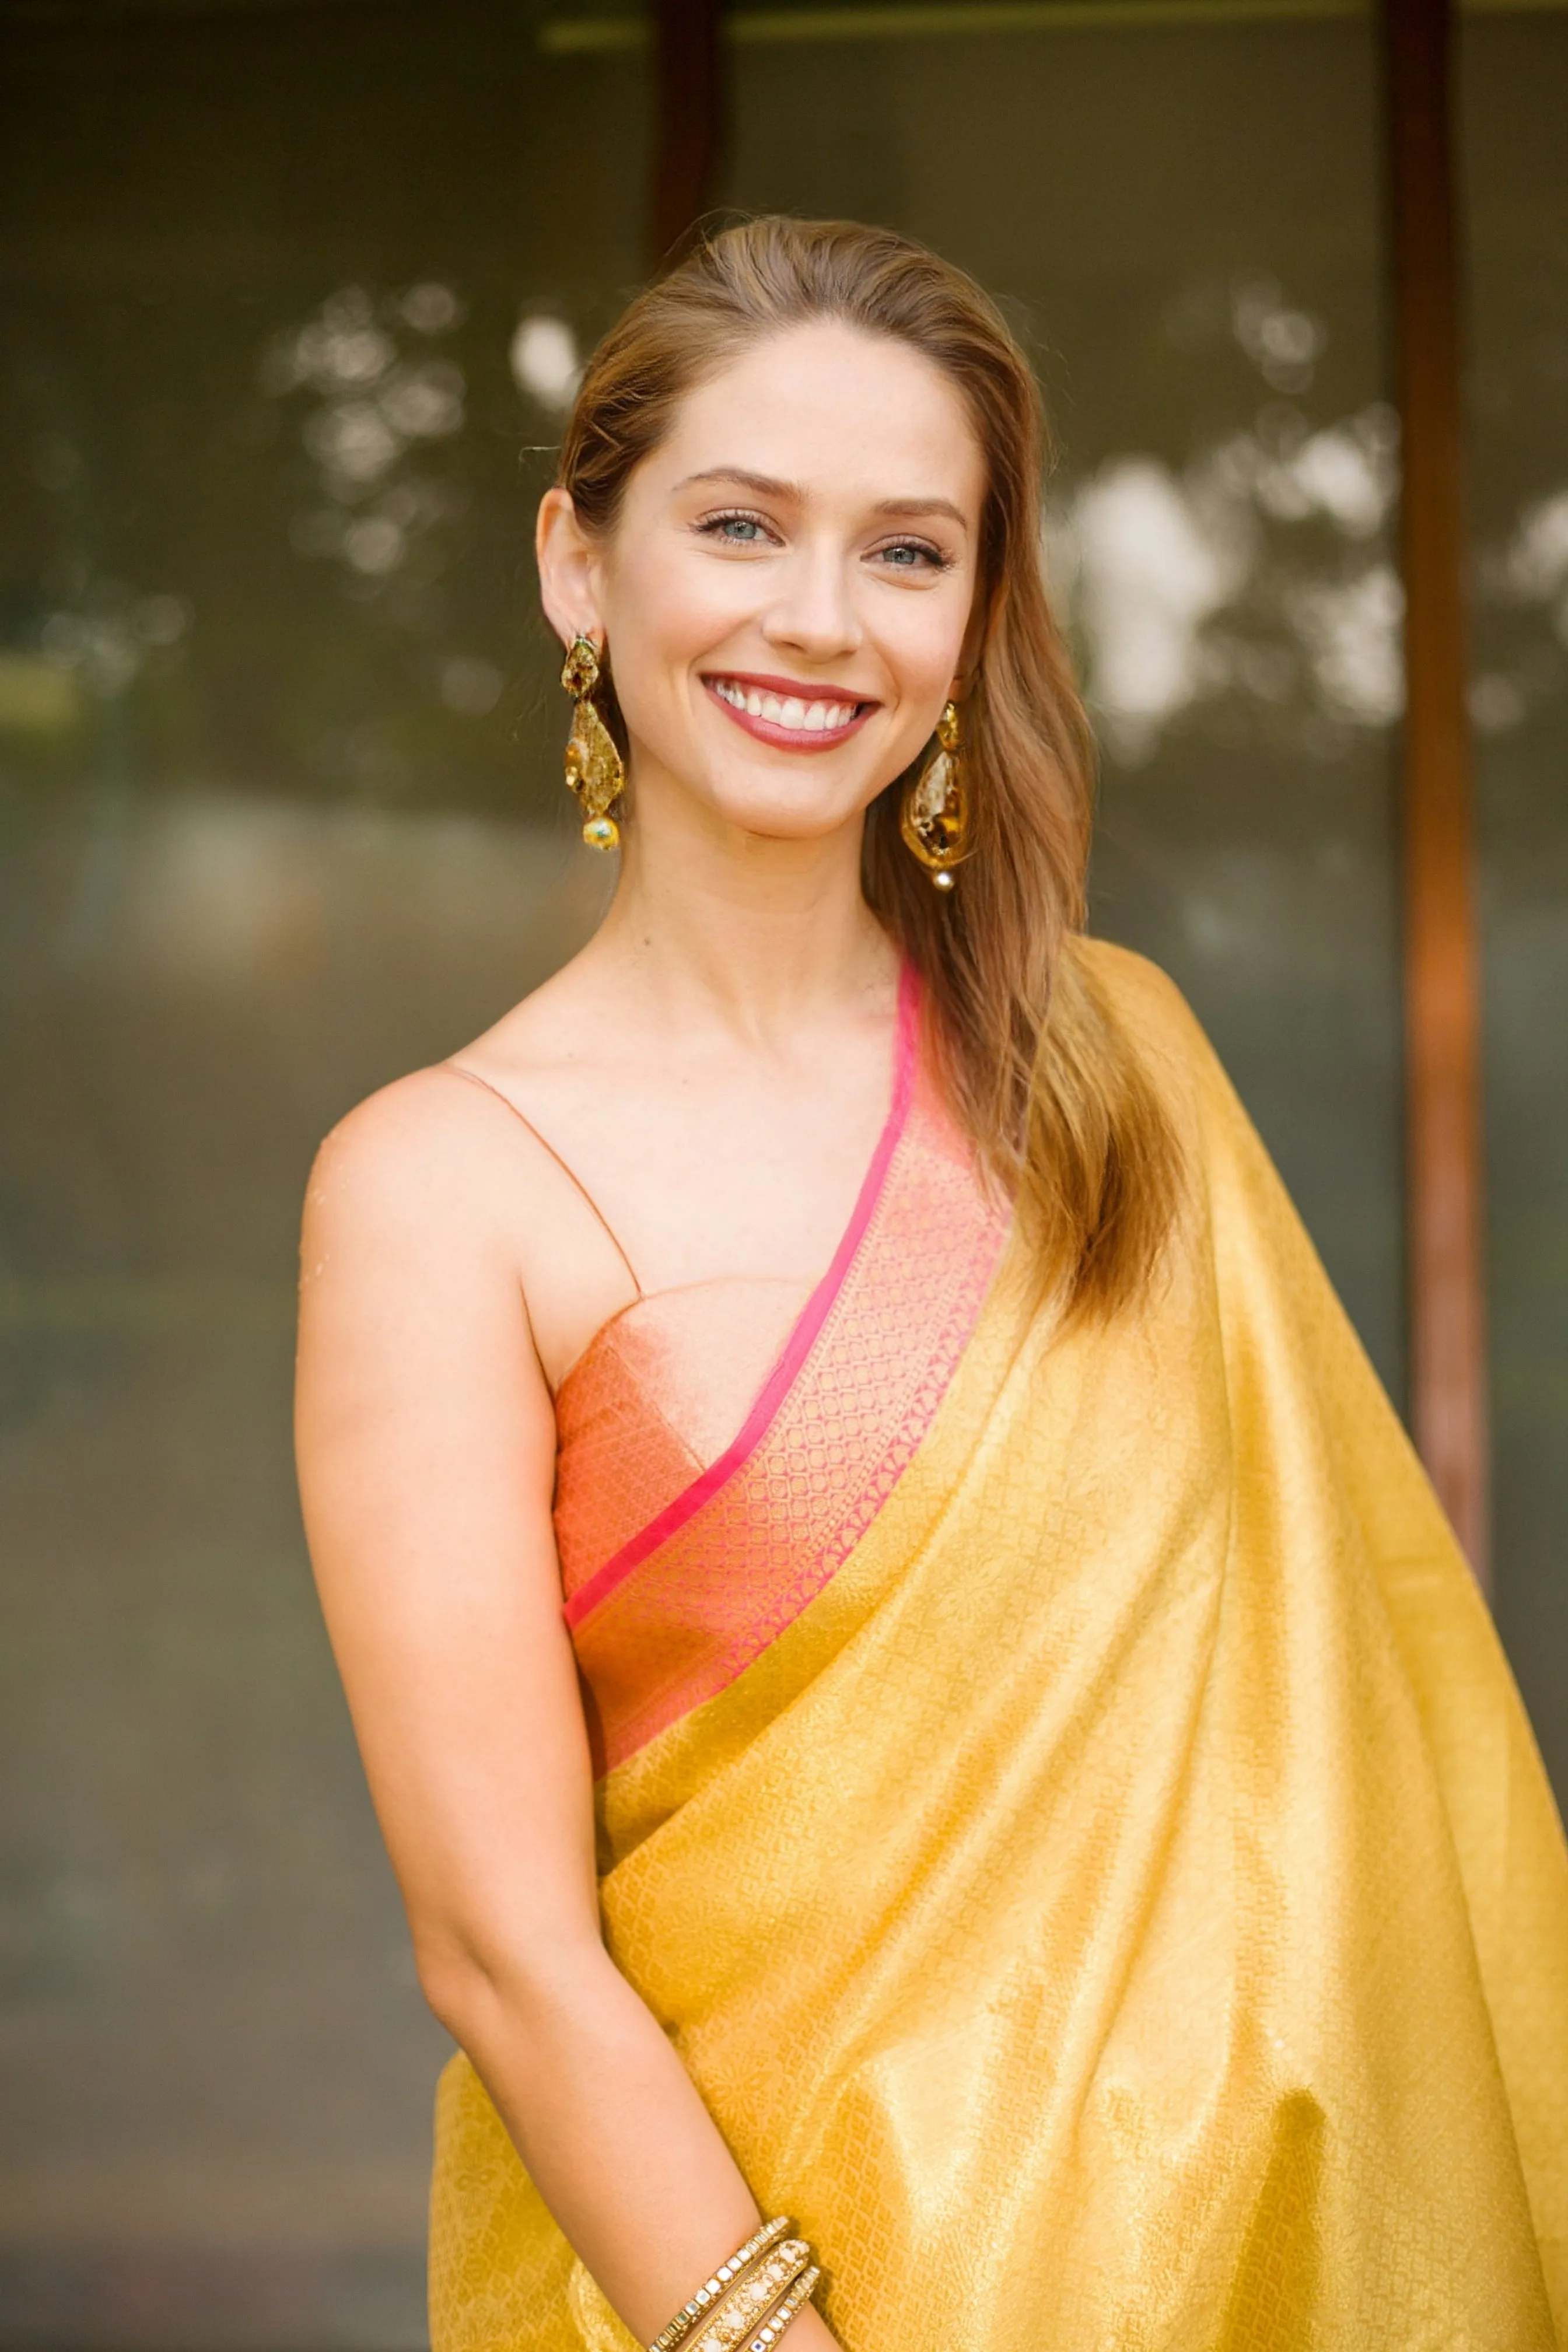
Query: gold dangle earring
[
  {"x": 934, "y": 818},
  {"x": 594, "y": 769}
]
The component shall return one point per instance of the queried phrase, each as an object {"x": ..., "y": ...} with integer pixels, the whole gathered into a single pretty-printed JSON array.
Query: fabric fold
[{"x": 1122, "y": 1907}]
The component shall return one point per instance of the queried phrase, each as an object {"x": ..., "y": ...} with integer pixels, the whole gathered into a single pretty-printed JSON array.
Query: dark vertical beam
[
  {"x": 1441, "y": 1016},
  {"x": 687, "y": 120}
]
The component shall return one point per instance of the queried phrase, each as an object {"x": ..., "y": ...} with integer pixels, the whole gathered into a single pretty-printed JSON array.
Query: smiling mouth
[{"x": 799, "y": 721}]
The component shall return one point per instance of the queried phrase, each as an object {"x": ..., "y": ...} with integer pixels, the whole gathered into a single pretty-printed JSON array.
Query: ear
[{"x": 568, "y": 569}]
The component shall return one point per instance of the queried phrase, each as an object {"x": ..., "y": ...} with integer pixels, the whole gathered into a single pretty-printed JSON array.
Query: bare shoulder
[
  {"x": 412, "y": 1305},
  {"x": 435, "y": 1136},
  {"x": 440, "y": 1193},
  {"x": 410, "y": 1155}
]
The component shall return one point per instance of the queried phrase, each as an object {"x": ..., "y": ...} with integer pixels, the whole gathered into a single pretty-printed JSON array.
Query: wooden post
[
  {"x": 1441, "y": 1016},
  {"x": 687, "y": 100}
]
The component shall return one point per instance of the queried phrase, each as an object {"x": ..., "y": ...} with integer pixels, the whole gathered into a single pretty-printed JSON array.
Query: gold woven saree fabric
[{"x": 1124, "y": 1911}]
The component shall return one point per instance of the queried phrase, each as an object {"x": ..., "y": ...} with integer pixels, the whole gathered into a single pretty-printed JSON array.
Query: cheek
[
  {"x": 677, "y": 609},
  {"x": 923, "y": 637},
  {"x": 668, "y": 619}
]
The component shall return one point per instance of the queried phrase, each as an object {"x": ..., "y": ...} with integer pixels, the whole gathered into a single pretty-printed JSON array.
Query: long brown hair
[{"x": 1038, "y": 1071}]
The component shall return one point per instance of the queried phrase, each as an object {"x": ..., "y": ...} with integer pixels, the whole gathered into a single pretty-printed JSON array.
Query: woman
[{"x": 1021, "y": 1783}]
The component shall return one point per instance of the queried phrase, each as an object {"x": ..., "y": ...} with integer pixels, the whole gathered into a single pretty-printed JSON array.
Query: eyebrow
[{"x": 764, "y": 485}]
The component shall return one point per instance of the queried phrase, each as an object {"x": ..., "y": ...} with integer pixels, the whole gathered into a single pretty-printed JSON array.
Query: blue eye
[
  {"x": 736, "y": 529},
  {"x": 913, "y": 555}
]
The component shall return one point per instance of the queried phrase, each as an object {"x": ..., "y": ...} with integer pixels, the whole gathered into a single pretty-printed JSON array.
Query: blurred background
[{"x": 295, "y": 293}]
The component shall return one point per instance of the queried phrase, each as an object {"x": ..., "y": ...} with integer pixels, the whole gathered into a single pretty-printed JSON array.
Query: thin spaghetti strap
[{"x": 459, "y": 1070}]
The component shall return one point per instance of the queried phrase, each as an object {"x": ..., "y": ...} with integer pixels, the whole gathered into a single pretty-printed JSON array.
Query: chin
[{"x": 778, "y": 816}]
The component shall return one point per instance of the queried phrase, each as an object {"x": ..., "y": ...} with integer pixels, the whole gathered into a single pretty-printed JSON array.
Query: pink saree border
[
  {"x": 735, "y": 1575},
  {"x": 797, "y": 1346}
]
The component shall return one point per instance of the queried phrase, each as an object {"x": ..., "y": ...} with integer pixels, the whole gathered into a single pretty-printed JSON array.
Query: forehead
[{"x": 835, "y": 411}]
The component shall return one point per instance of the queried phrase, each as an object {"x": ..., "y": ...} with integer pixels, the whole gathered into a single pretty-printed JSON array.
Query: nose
[{"x": 814, "y": 613}]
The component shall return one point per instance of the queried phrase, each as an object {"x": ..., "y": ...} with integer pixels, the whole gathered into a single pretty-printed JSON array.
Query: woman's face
[{"x": 787, "y": 593}]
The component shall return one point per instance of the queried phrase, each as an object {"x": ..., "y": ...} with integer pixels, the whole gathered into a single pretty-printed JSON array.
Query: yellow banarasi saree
[{"x": 1063, "y": 1797}]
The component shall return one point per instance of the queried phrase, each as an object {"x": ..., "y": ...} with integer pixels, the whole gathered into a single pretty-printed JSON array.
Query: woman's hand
[{"x": 426, "y": 1447}]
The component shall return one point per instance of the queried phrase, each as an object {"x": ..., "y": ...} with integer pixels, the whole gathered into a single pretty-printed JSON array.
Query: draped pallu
[{"x": 1065, "y": 1799}]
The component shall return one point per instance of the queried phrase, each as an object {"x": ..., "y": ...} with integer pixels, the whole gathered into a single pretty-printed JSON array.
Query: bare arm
[{"x": 426, "y": 1443}]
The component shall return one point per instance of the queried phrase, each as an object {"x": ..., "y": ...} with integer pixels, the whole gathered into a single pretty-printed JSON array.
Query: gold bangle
[
  {"x": 722, "y": 2279},
  {"x": 794, "y": 2303},
  {"x": 752, "y": 2297}
]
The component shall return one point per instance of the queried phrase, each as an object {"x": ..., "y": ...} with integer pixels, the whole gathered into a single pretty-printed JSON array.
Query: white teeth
[{"x": 787, "y": 710}]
